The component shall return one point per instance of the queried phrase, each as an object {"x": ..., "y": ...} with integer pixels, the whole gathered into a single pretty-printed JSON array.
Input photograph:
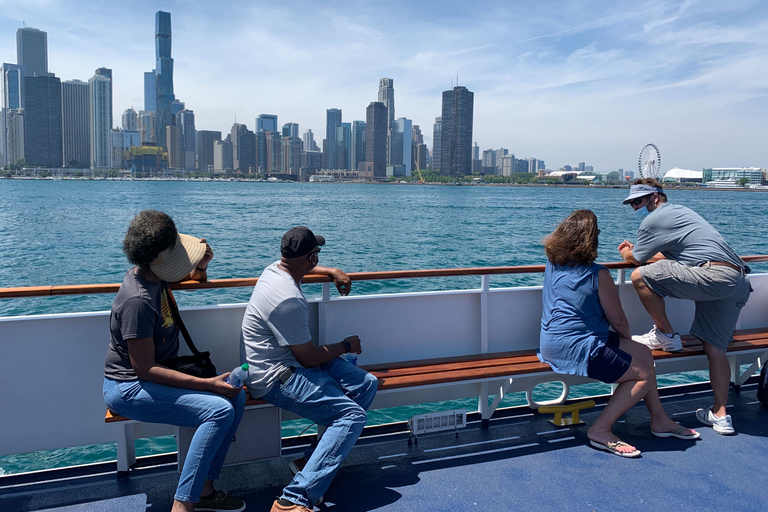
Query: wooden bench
[{"x": 484, "y": 368}]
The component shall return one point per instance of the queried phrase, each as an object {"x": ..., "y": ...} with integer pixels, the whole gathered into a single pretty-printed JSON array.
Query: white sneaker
[
  {"x": 721, "y": 425},
  {"x": 657, "y": 340}
]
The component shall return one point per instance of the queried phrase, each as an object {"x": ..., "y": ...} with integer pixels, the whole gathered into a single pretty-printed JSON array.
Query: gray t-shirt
[
  {"x": 277, "y": 316},
  {"x": 140, "y": 310},
  {"x": 682, "y": 235}
]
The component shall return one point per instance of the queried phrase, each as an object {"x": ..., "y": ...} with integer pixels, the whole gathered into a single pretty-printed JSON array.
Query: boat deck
[{"x": 520, "y": 462}]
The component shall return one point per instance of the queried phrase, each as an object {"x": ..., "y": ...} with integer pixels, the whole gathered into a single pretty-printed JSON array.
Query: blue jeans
[
  {"x": 335, "y": 394},
  {"x": 215, "y": 417}
]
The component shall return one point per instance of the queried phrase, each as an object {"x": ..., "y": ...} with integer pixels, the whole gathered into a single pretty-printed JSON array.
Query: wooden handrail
[{"x": 89, "y": 289}]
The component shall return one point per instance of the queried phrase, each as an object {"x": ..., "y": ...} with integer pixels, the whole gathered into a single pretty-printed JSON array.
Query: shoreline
[{"x": 763, "y": 188}]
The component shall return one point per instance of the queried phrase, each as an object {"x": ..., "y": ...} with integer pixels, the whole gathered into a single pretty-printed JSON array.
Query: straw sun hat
[{"x": 176, "y": 262}]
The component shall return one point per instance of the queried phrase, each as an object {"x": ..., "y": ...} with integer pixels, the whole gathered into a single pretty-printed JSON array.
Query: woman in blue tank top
[{"x": 580, "y": 303}]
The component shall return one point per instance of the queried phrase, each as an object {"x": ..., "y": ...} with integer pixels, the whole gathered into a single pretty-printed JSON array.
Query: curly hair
[
  {"x": 574, "y": 242},
  {"x": 150, "y": 233},
  {"x": 652, "y": 183}
]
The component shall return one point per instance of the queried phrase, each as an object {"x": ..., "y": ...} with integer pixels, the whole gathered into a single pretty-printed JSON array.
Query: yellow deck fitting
[{"x": 558, "y": 420}]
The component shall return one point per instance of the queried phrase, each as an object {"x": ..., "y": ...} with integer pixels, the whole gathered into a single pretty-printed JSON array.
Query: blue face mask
[{"x": 642, "y": 212}]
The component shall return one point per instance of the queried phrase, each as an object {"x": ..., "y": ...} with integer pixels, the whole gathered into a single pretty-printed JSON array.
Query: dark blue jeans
[
  {"x": 215, "y": 417},
  {"x": 337, "y": 395}
]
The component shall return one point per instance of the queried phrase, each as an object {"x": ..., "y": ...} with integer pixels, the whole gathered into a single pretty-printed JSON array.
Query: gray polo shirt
[
  {"x": 682, "y": 235},
  {"x": 277, "y": 317}
]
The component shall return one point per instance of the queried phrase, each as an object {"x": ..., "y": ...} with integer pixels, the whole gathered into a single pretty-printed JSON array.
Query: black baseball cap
[{"x": 299, "y": 241}]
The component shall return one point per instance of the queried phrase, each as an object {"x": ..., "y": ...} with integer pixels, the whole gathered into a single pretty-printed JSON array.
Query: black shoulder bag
[{"x": 198, "y": 364}]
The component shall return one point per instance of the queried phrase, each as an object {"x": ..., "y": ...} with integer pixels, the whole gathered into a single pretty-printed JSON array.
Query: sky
[{"x": 562, "y": 81}]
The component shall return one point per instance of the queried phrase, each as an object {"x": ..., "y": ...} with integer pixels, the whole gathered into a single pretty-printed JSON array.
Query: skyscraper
[
  {"x": 32, "y": 50},
  {"x": 291, "y": 155},
  {"x": 358, "y": 144},
  {"x": 344, "y": 146},
  {"x": 150, "y": 92},
  {"x": 309, "y": 141},
  {"x": 42, "y": 121},
  {"x": 437, "y": 141},
  {"x": 15, "y": 135},
  {"x": 375, "y": 165},
  {"x": 75, "y": 124},
  {"x": 147, "y": 128},
  {"x": 387, "y": 97},
  {"x": 243, "y": 148},
  {"x": 266, "y": 123},
  {"x": 12, "y": 76},
  {"x": 290, "y": 130},
  {"x": 205, "y": 140},
  {"x": 332, "y": 121},
  {"x": 163, "y": 75},
  {"x": 456, "y": 141},
  {"x": 186, "y": 120},
  {"x": 401, "y": 140},
  {"x": 108, "y": 73},
  {"x": 274, "y": 152},
  {"x": 130, "y": 119},
  {"x": 99, "y": 100}
]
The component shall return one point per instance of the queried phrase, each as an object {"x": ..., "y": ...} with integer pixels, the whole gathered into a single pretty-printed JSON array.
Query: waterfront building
[
  {"x": 32, "y": 51},
  {"x": 401, "y": 142},
  {"x": 100, "y": 128},
  {"x": 357, "y": 151},
  {"x": 291, "y": 155},
  {"x": 75, "y": 124},
  {"x": 499, "y": 154},
  {"x": 243, "y": 148},
  {"x": 130, "y": 120},
  {"x": 12, "y": 75},
  {"x": 437, "y": 140},
  {"x": 420, "y": 160},
  {"x": 150, "y": 92},
  {"x": 375, "y": 165},
  {"x": 222, "y": 156},
  {"x": 122, "y": 142},
  {"x": 205, "y": 140},
  {"x": 274, "y": 152},
  {"x": 147, "y": 160},
  {"x": 387, "y": 97},
  {"x": 475, "y": 151},
  {"x": 107, "y": 73},
  {"x": 533, "y": 165},
  {"x": 311, "y": 162},
  {"x": 15, "y": 135},
  {"x": 309, "y": 141},
  {"x": 147, "y": 127},
  {"x": 174, "y": 146},
  {"x": 41, "y": 102},
  {"x": 261, "y": 151},
  {"x": 186, "y": 121},
  {"x": 456, "y": 142},
  {"x": 332, "y": 122},
  {"x": 290, "y": 130},
  {"x": 163, "y": 76},
  {"x": 755, "y": 175},
  {"x": 266, "y": 123},
  {"x": 344, "y": 146},
  {"x": 489, "y": 162},
  {"x": 508, "y": 166}
]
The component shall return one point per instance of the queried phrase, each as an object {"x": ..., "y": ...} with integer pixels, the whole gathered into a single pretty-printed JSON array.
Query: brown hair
[
  {"x": 653, "y": 183},
  {"x": 574, "y": 242}
]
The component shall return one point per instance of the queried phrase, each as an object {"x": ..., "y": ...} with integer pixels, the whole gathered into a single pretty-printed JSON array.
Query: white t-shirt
[{"x": 277, "y": 316}]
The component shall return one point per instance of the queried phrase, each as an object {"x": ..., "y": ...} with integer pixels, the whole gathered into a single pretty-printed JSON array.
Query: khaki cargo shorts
[{"x": 718, "y": 291}]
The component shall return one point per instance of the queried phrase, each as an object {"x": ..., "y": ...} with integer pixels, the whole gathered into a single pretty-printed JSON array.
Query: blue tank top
[{"x": 573, "y": 324}]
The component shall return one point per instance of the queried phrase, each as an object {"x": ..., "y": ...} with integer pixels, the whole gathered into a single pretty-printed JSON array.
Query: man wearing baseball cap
[
  {"x": 288, "y": 370},
  {"x": 688, "y": 259}
]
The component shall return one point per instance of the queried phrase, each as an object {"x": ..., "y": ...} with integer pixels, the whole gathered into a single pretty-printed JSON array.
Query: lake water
[{"x": 70, "y": 232}]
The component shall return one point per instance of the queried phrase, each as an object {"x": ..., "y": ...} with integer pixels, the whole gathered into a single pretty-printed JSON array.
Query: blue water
[{"x": 70, "y": 232}]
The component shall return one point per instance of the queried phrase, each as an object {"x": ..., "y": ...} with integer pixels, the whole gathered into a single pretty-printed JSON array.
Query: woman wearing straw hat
[{"x": 144, "y": 334}]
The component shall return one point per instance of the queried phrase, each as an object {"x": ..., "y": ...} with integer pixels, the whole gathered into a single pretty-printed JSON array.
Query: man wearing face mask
[
  {"x": 288, "y": 370},
  {"x": 688, "y": 259}
]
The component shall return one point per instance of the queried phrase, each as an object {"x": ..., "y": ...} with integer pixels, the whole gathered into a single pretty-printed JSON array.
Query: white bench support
[{"x": 126, "y": 450}]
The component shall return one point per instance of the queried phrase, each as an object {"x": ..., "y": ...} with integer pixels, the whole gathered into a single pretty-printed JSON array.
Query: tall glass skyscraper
[
  {"x": 163, "y": 75},
  {"x": 100, "y": 99},
  {"x": 32, "y": 50},
  {"x": 266, "y": 123},
  {"x": 150, "y": 93},
  {"x": 456, "y": 143},
  {"x": 107, "y": 73},
  {"x": 42, "y": 121},
  {"x": 332, "y": 122},
  {"x": 75, "y": 124}
]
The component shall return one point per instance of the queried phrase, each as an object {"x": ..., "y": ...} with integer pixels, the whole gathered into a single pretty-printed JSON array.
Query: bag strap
[{"x": 177, "y": 318}]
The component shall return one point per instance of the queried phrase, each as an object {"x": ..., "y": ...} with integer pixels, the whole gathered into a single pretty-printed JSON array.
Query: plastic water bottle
[{"x": 238, "y": 376}]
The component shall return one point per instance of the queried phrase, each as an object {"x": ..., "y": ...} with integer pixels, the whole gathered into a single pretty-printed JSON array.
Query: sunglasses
[{"x": 638, "y": 200}]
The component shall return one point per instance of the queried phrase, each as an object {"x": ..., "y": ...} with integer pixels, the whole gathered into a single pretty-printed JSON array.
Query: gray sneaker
[
  {"x": 657, "y": 340},
  {"x": 721, "y": 425}
]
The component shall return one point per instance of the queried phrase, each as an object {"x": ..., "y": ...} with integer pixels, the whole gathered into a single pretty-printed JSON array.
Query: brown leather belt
[{"x": 725, "y": 264}]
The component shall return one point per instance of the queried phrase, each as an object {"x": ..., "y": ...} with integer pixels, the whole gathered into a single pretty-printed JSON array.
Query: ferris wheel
[{"x": 649, "y": 163}]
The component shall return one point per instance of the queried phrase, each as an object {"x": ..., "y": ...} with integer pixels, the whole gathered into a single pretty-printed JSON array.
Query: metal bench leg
[{"x": 126, "y": 451}]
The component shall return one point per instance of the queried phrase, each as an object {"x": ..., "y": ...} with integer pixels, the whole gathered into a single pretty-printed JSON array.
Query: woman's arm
[
  {"x": 142, "y": 354},
  {"x": 609, "y": 299}
]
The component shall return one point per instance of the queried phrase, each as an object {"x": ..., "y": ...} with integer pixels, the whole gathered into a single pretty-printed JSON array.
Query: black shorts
[{"x": 610, "y": 362}]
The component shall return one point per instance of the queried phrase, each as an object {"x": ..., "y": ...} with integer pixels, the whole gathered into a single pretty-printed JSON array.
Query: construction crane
[{"x": 421, "y": 178}]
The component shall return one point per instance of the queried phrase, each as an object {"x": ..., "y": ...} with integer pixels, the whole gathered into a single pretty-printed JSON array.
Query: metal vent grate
[{"x": 438, "y": 421}]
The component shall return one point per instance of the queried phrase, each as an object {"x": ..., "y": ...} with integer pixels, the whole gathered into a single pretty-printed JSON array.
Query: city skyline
[{"x": 551, "y": 80}]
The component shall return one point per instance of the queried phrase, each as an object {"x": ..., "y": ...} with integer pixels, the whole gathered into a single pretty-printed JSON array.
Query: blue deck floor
[{"x": 519, "y": 463}]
